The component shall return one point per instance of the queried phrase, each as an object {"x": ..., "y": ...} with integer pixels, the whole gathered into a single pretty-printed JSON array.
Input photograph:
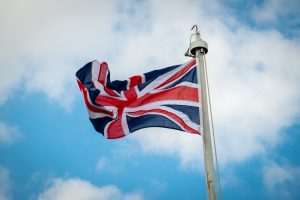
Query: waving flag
[{"x": 166, "y": 97}]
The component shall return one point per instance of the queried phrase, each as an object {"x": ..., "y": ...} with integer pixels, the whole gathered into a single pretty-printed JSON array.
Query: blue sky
[{"x": 48, "y": 148}]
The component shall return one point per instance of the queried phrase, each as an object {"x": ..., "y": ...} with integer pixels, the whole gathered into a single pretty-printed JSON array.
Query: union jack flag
[{"x": 166, "y": 97}]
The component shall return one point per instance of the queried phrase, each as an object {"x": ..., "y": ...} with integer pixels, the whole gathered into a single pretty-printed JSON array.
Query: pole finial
[
  {"x": 195, "y": 26},
  {"x": 198, "y": 43}
]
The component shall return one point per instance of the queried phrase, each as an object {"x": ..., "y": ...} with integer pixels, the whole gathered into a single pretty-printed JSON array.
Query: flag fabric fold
[{"x": 167, "y": 97}]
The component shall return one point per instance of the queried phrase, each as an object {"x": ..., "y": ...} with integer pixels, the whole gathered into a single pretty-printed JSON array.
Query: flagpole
[{"x": 198, "y": 49}]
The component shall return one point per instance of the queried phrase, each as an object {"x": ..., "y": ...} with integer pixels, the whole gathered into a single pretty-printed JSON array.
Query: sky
[{"x": 49, "y": 149}]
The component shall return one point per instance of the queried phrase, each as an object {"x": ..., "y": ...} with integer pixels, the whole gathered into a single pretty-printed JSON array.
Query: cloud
[
  {"x": 187, "y": 147},
  {"x": 282, "y": 180},
  {"x": 270, "y": 11},
  {"x": 157, "y": 185},
  {"x": 5, "y": 184},
  {"x": 254, "y": 90},
  {"x": 8, "y": 133},
  {"x": 102, "y": 163},
  {"x": 110, "y": 165},
  {"x": 78, "y": 189},
  {"x": 42, "y": 45}
]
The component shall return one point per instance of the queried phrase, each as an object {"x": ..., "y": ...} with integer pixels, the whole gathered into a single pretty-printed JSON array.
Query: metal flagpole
[{"x": 197, "y": 49}]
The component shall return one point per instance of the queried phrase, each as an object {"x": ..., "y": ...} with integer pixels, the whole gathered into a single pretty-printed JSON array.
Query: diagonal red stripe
[
  {"x": 178, "y": 74},
  {"x": 177, "y": 93}
]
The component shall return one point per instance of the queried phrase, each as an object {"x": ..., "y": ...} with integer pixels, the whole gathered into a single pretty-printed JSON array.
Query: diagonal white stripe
[
  {"x": 160, "y": 79},
  {"x": 161, "y": 103}
]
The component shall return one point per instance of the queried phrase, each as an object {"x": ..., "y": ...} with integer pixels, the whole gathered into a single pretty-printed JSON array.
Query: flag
[{"x": 167, "y": 97}]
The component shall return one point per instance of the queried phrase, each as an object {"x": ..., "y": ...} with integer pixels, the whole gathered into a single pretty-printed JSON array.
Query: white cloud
[
  {"x": 110, "y": 165},
  {"x": 272, "y": 10},
  {"x": 281, "y": 181},
  {"x": 158, "y": 186},
  {"x": 187, "y": 147},
  {"x": 263, "y": 98},
  {"x": 8, "y": 133},
  {"x": 42, "y": 45},
  {"x": 254, "y": 90},
  {"x": 78, "y": 189},
  {"x": 102, "y": 163},
  {"x": 5, "y": 184}
]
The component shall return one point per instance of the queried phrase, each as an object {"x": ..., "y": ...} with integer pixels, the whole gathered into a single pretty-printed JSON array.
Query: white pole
[
  {"x": 207, "y": 147},
  {"x": 198, "y": 48}
]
